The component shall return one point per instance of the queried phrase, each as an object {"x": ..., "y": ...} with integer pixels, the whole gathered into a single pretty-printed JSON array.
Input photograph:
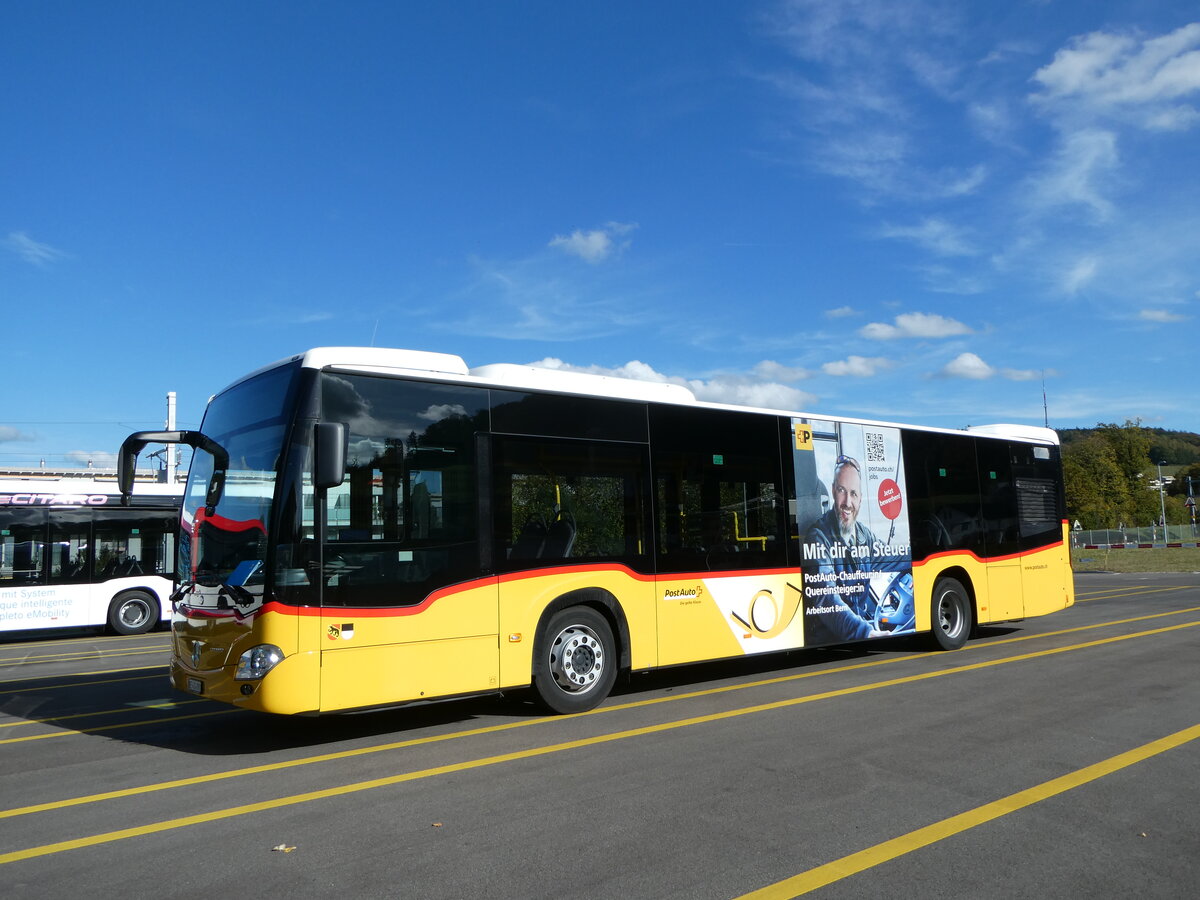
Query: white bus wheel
[{"x": 133, "y": 612}]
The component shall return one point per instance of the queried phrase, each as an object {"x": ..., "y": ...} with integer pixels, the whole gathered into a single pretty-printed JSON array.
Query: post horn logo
[{"x": 766, "y": 617}]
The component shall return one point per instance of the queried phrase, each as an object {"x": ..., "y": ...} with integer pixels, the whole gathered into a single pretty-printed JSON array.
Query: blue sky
[{"x": 915, "y": 211}]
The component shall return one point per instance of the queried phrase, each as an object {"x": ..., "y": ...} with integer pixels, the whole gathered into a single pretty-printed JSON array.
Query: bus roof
[{"x": 426, "y": 365}]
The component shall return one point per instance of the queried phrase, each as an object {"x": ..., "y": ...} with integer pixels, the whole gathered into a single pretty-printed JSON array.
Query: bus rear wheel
[
  {"x": 951, "y": 614},
  {"x": 575, "y": 661},
  {"x": 134, "y": 612}
]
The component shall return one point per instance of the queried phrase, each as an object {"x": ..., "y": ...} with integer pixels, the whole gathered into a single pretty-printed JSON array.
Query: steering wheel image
[{"x": 895, "y": 610}]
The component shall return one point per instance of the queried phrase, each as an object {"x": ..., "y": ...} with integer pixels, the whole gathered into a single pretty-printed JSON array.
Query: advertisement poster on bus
[{"x": 852, "y": 521}]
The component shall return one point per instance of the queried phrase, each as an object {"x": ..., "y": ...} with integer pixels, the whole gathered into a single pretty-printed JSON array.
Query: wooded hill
[
  {"x": 1109, "y": 469},
  {"x": 1174, "y": 448}
]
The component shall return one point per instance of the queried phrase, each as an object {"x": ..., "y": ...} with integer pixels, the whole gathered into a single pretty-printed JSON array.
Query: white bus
[{"x": 72, "y": 556}]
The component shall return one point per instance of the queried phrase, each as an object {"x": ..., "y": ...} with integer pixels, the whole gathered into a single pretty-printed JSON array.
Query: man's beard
[{"x": 848, "y": 537}]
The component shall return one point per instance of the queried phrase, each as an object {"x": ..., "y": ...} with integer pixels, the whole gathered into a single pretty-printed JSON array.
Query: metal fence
[{"x": 1150, "y": 535}]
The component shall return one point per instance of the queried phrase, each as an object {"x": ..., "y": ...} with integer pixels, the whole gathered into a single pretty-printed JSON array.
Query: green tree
[
  {"x": 1098, "y": 492},
  {"x": 1131, "y": 447},
  {"x": 1105, "y": 476},
  {"x": 1179, "y": 487}
]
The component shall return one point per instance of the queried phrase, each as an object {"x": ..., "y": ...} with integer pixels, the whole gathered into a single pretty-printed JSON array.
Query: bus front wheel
[
  {"x": 951, "y": 614},
  {"x": 575, "y": 661},
  {"x": 134, "y": 612}
]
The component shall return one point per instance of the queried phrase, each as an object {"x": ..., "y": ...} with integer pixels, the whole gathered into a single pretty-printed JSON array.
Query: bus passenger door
[
  {"x": 407, "y": 610},
  {"x": 1045, "y": 557}
]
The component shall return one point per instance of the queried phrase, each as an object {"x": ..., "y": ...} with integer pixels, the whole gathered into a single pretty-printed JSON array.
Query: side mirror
[
  {"x": 329, "y": 449},
  {"x": 135, "y": 443},
  {"x": 127, "y": 456}
]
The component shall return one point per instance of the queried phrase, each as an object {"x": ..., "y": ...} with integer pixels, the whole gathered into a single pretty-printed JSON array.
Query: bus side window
[
  {"x": 403, "y": 523},
  {"x": 23, "y": 547},
  {"x": 564, "y": 500},
  {"x": 943, "y": 493},
  {"x": 718, "y": 483},
  {"x": 70, "y": 546}
]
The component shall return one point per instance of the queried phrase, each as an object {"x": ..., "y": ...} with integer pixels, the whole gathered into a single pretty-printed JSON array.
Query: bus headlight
[{"x": 257, "y": 662}]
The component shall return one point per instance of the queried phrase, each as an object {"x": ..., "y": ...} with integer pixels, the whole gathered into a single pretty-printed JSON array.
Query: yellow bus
[{"x": 367, "y": 527}]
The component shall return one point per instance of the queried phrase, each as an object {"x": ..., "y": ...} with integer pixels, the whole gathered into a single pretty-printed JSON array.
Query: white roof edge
[
  {"x": 1033, "y": 433},
  {"x": 385, "y": 359},
  {"x": 366, "y": 359},
  {"x": 558, "y": 381},
  {"x": 431, "y": 365}
]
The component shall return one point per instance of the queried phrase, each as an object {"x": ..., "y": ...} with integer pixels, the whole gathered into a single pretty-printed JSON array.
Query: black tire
[
  {"x": 134, "y": 612},
  {"x": 574, "y": 661},
  {"x": 950, "y": 614}
]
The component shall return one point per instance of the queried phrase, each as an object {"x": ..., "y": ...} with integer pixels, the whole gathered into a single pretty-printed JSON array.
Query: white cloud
[
  {"x": 993, "y": 121},
  {"x": 857, "y": 366},
  {"x": 1107, "y": 73},
  {"x": 842, "y": 312},
  {"x": 744, "y": 392},
  {"x": 1162, "y": 316},
  {"x": 968, "y": 365},
  {"x": 966, "y": 183},
  {"x": 1180, "y": 118},
  {"x": 1080, "y": 274},
  {"x": 1021, "y": 374},
  {"x": 946, "y": 280},
  {"x": 935, "y": 235},
  {"x": 1079, "y": 172},
  {"x": 8, "y": 434},
  {"x": 971, "y": 366},
  {"x": 33, "y": 252},
  {"x": 596, "y": 245},
  {"x": 533, "y": 299},
  {"x": 915, "y": 325},
  {"x": 862, "y": 74},
  {"x": 97, "y": 459},
  {"x": 634, "y": 369},
  {"x": 772, "y": 371},
  {"x": 735, "y": 389}
]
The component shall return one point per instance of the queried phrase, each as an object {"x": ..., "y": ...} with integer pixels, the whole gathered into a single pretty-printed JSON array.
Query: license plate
[{"x": 195, "y": 686}]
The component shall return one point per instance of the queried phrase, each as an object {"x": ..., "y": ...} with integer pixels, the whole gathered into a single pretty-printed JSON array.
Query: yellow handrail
[{"x": 737, "y": 534}]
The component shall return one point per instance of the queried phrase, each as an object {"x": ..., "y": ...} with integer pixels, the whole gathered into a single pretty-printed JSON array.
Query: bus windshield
[{"x": 226, "y": 546}]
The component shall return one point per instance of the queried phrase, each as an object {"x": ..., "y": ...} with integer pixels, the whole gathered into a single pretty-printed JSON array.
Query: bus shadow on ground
[{"x": 140, "y": 707}]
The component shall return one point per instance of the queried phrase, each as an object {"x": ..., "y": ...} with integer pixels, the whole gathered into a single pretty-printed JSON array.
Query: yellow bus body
[{"x": 338, "y": 660}]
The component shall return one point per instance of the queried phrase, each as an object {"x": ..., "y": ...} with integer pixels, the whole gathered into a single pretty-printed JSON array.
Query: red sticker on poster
[{"x": 890, "y": 500}]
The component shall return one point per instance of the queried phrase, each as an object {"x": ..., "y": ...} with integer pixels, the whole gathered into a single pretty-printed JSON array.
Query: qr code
[{"x": 875, "y": 450}]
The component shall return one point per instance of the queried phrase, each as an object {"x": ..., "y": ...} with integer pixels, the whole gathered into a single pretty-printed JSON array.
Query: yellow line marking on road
[
  {"x": 76, "y": 657},
  {"x": 475, "y": 732},
  {"x": 838, "y": 869},
  {"x": 1117, "y": 593},
  {"x": 81, "y": 638},
  {"x": 52, "y": 687},
  {"x": 343, "y": 790},
  {"x": 116, "y": 711},
  {"x": 978, "y": 645},
  {"x": 98, "y": 728}
]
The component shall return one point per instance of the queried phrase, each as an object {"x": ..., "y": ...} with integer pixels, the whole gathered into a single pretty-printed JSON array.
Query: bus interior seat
[
  {"x": 531, "y": 540},
  {"x": 129, "y": 566},
  {"x": 538, "y": 540},
  {"x": 560, "y": 537}
]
